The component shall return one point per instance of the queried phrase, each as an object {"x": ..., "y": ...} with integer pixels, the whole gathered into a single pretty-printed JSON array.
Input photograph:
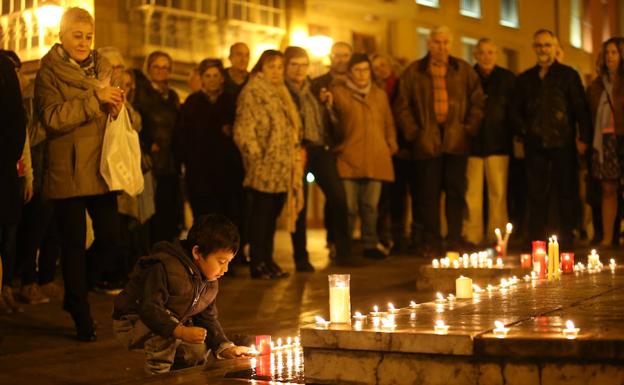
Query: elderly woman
[
  {"x": 158, "y": 105},
  {"x": 364, "y": 156},
  {"x": 214, "y": 169},
  {"x": 268, "y": 134},
  {"x": 74, "y": 98},
  {"x": 606, "y": 100}
]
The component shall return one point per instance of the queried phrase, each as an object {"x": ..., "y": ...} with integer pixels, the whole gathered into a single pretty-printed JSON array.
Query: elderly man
[
  {"x": 236, "y": 76},
  {"x": 549, "y": 105},
  {"x": 339, "y": 56},
  {"x": 440, "y": 105},
  {"x": 489, "y": 152}
]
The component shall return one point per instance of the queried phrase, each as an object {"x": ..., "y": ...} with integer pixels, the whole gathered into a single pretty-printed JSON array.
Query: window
[
  {"x": 468, "y": 45},
  {"x": 429, "y": 3},
  {"x": 470, "y": 8},
  {"x": 509, "y": 13},
  {"x": 423, "y": 36},
  {"x": 576, "y": 34}
]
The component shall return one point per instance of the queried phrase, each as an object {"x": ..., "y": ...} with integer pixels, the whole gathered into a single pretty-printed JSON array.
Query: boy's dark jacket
[{"x": 167, "y": 286}]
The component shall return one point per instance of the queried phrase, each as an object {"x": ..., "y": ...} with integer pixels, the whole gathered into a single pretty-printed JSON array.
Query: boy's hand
[
  {"x": 235, "y": 352},
  {"x": 190, "y": 334}
]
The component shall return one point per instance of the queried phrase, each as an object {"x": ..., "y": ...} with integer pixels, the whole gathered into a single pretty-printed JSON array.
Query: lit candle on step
[
  {"x": 500, "y": 330},
  {"x": 376, "y": 312},
  {"x": 463, "y": 287},
  {"x": 321, "y": 322},
  {"x": 490, "y": 263},
  {"x": 339, "y": 298},
  {"x": 499, "y": 263},
  {"x": 527, "y": 278},
  {"x": 388, "y": 322},
  {"x": 440, "y": 298},
  {"x": 477, "y": 289},
  {"x": 525, "y": 261},
  {"x": 359, "y": 316},
  {"x": 392, "y": 309},
  {"x": 264, "y": 344},
  {"x": 567, "y": 262},
  {"x": 456, "y": 264},
  {"x": 413, "y": 305},
  {"x": 440, "y": 327},
  {"x": 435, "y": 263},
  {"x": 612, "y": 263},
  {"x": 570, "y": 332}
]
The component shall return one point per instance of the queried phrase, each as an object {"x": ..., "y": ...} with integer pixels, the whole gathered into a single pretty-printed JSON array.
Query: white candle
[
  {"x": 476, "y": 289},
  {"x": 435, "y": 263},
  {"x": 339, "y": 299},
  {"x": 500, "y": 330},
  {"x": 413, "y": 304},
  {"x": 440, "y": 298},
  {"x": 499, "y": 237},
  {"x": 392, "y": 309},
  {"x": 463, "y": 287},
  {"x": 440, "y": 327},
  {"x": 490, "y": 263},
  {"x": 320, "y": 322},
  {"x": 499, "y": 263},
  {"x": 359, "y": 316},
  {"x": 570, "y": 332},
  {"x": 388, "y": 322},
  {"x": 451, "y": 297},
  {"x": 456, "y": 264}
]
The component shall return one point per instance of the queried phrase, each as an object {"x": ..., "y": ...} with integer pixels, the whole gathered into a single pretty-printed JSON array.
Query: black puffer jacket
[
  {"x": 547, "y": 111},
  {"x": 167, "y": 289},
  {"x": 158, "y": 115},
  {"x": 496, "y": 131}
]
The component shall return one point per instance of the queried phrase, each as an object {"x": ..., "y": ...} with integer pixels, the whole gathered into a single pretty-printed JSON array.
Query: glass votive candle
[
  {"x": 570, "y": 331},
  {"x": 567, "y": 263},
  {"x": 359, "y": 316},
  {"x": 339, "y": 298},
  {"x": 440, "y": 327},
  {"x": 500, "y": 330},
  {"x": 321, "y": 322}
]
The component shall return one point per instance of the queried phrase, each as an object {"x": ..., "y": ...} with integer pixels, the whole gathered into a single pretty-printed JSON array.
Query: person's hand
[
  {"x": 190, "y": 334},
  {"x": 115, "y": 109},
  {"x": 235, "y": 352},
  {"x": 581, "y": 147},
  {"x": 28, "y": 192},
  {"x": 326, "y": 97},
  {"x": 110, "y": 95},
  {"x": 154, "y": 148}
]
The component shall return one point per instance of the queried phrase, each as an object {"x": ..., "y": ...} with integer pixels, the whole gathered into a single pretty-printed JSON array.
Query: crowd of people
[{"x": 374, "y": 136}]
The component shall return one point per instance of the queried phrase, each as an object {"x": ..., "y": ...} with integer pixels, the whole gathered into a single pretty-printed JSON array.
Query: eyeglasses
[
  {"x": 545, "y": 45},
  {"x": 298, "y": 65}
]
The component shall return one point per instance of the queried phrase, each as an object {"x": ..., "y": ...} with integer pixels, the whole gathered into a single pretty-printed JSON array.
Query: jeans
[
  {"x": 265, "y": 208},
  {"x": 322, "y": 164},
  {"x": 448, "y": 173},
  {"x": 492, "y": 170},
  {"x": 363, "y": 198}
]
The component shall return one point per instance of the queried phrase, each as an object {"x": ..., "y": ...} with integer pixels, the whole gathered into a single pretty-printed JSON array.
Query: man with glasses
[
  {"x": 439, "y": 107},
  {"x": 549, "y": 106}
]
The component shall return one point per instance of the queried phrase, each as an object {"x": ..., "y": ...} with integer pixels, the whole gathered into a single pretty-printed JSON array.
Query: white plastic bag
[{"x": 120, "y": 165}]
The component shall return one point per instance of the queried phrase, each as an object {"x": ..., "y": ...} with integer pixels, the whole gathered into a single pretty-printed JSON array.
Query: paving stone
[{"x": 521, "y": 374}]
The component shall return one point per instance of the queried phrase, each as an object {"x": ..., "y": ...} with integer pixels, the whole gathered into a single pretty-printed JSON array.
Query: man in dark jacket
[
  {"x": 12, "y": 137},
  {"x": 169, "y": 305},
  {"x": 440, "y": 105},
  {"x": 490, "y": 149},
  {"x": 549, "y": 105},
  {"x": 236, "y": 76}
]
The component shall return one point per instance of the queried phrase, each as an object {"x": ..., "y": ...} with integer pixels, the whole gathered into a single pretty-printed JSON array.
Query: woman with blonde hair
[{"x": 74, "y": 99}]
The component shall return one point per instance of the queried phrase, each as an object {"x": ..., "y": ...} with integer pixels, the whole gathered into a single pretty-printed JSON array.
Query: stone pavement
[{"x": 36, "y": 347}]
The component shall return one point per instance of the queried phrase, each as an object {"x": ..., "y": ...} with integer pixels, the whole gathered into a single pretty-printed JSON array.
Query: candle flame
[
  {"x": 497, "y": 231},
  {"x": 358, "y": 314},
  {"x": 390, "y": 306},
  {"x": 554, "y": 239},
  {"x": 499, "y": 325},
  {"x": 296, "y": 340},
  {"x": 509, "y": 227},
  {"x": 376, "y": 309},
  {"x": 476, "y": 288},
  {"x": 413, "y": 304},
  {"x": 569, "y": 325},
  {"x": 289, "y": 340},
  {"x": 319, "y": 319},
  {"x": 440, "y": 296},
  {"x": 440, "y": 323},
  {"x": 279, "y": 342},
  {"x": 451, "y": 297}
]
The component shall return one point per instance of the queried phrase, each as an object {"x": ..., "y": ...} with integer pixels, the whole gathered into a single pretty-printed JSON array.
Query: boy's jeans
[
  {"x": 160, "y": 352},
  {"x": 363, "y": 197}
]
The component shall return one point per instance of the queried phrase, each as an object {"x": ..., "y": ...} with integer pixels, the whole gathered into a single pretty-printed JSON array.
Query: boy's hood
[{"x": 179, "y": 250}]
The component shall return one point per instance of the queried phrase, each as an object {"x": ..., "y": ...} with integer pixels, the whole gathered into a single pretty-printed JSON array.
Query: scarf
[
  {"x": 604, "y": 116},
  {"x": 88, "y": 66},
  {"x": 70, "y": 72},
  {"x": 310, "y": 111},
  {"x": 362, "y": 91}
]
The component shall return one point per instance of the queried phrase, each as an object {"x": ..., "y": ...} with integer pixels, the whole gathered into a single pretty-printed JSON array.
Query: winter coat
[
  {"x": 547, "y": 112},
  {"x": 367, "y": 126},
  {"x": 75, "y": 122},
  {"x": 158, "y": 116},
  {"x": 594, "y": 92},
  {"x": 267, "y": 136},
  {"x": 167, "y": 289},
  {"x": 212, "y": 161},
  {"x": 496, "y": 131},
  {"x": 12, "y": 139},
  {"x": 415, "y": 114}
]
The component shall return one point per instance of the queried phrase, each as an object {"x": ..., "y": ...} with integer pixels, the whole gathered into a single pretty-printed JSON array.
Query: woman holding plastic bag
[{"x": 74, "y": 98}]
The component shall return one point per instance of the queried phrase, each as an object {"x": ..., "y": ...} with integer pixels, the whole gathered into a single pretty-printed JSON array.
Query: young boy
[{"x": 169, "y": 306}]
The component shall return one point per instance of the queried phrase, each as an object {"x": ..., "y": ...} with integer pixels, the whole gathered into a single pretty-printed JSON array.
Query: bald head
[{"x": 239, "y": 56}]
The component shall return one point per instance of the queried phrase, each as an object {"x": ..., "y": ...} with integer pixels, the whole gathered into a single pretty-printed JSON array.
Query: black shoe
[
  {"x": 85, "y": 327},
  {"x": 260, "y": 271},
  {"x": 277, "y": 271},
  {"x": 375, "y": 254},
  {"x": 304, "y": 267}
]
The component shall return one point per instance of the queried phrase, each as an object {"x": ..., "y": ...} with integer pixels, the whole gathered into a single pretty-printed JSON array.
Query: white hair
[
  {"x": 112, "y": 54},
  {"x": 440, "y": 29}
]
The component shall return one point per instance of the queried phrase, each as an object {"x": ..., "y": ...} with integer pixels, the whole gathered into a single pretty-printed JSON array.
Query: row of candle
[
  {"x": 264, "y": 344},
  {"x": 474, "y": 261}
]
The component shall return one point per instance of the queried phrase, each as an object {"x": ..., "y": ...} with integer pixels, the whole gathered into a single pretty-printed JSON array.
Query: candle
[
  {"x": 556, "y": 272},
  {"x": 320, "y": 322},
  {"x": 392, "y": 309},
  {"x": 451, "y": 297},
  {"x": 612, "y": 263},
  {"x": 440, "y": 327},
  {"x": 490, "y": 263},
  {"x": 359, "y": 316},
  {"x": 339, "y": 298},
  {"x": 533, "y": 275},
  {"x": 376, "y": 321},
  {"x": 499, "y": 238},
  {"x": 593, "y": 260},
  {"x": 463, "y": 287},
  {"x": 500, "y": 330},
  {"x": 476, "y": 289},
  {"x": 570, "y": 332},
  {"x": 525, "y": 261},
  {"x": 567, "y": 262},
  {"x": 539, "y": 258},
  {"x": 456, "y": 264},
  {"x": 252, "y": 350},
  {"x": 264, "y": 344},
  {"x": 490, "y": 288},
  {"x": 452, "y": 256},
  {"x": 440, "y": 298},
  {"x": 413, "y": 304},
  {"x": 376, "y": 312},
  {"x": 435, "y": 263},
  {"x": 388, "y": 322},
  {"x": 508, "y": 229},
  {"x": 503, "y": 283},
  {"x": 297, "y": 342},
  {"x": 499, "y": 263},
  {"x": 551, "y": 259},
  {"x": 466, "y": 261},
  {"x": 474, "y": 260},
  {"x": 527, "y": 278}
]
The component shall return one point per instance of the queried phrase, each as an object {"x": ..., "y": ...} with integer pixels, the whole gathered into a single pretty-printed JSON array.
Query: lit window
[
  {"x": 429, "y": 3},
  {"x": 509, "y": 13},
  {"x": 470, "y": 8},
  {"x": 468, "y": 45},
  {"x": 576, "y": 34}
]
